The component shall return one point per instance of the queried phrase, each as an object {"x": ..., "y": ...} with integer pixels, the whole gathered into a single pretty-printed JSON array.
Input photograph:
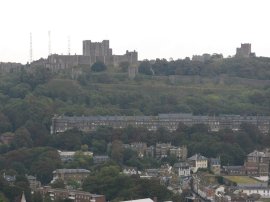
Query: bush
[{"x": 98, "y": 67}]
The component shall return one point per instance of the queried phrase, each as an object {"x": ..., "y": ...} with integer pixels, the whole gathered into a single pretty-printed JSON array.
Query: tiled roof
[{"x": 197, "y": 157}]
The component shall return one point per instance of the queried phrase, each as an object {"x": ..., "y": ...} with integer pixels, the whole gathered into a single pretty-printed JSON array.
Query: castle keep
[
  {"x": 244, "y": 51},
  {"x": 92, "y": 52}
]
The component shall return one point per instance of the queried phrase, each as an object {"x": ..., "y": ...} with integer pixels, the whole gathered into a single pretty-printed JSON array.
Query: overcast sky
[{"x": 155, "y": 28}]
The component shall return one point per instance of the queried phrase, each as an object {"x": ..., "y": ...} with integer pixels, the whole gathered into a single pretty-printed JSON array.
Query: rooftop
[
  {"x": 71, "y": 171},
  {"x": 197, "y": 157},
  {"x": 141, "y": 200}
]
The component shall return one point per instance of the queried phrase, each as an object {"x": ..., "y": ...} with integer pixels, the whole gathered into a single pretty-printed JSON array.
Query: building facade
[
  {"x": 197, "y": 161},
  {"x": 66, "y": 156},
  {"x": 215, "y": 165},
  {"x": 74, "y": 195},
  {"x": 70, "y": 174},
  {"x": 152, "y": 123},
  {"x": 257, "y": 163},
  {"x": 182, "y": 169}
]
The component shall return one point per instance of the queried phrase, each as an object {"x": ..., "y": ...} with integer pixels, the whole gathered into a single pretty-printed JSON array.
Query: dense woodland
[{"x": 31, "y": 96}]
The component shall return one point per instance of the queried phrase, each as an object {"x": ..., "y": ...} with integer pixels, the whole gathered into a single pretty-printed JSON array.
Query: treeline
[{"x": 253, "y": 68}]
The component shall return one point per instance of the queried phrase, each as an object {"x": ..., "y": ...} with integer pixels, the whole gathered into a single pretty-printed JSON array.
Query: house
[
  {"x": 182, "y": 169},
  {"x": 70, "y": 174},
  {"x": 130, "y": 171},
  {"x": 221, "y": 196},
  {"x": 203, "y": 188},
  {"x": 215, "y": 165},
  {"x": 66, "y": 156},
  {"x": 74, "y": 195},
  {"x": 162, "y": 149},
  {"x": 150, "y": 151},
  {"x": 33, "y": 182},
  {"x": 166, "y": 149},
  {"x": 197, "y": 161},
  {"x": 264, "y": 192},
  {"x": 99, "y": 159},
  {"x": 234, "y": 170},
  {"x": 9, "y": 178},
  {"x": 257, "y": 163},
  {"x": 179, "y": 152},
  {"x": 149, "y": 173}
]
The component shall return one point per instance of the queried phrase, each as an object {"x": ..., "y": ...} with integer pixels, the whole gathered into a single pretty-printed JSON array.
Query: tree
[
  {"x": 59, "y": 183},
  {"x": 22, "y": 138},
  {"x": 84, "y": 147},
  {"x": 5, "y": 124},
  {"x": 3, "y": 198},
  {"x": 145, "y": 68},
  {"x": 117, "y": 150},
  {"x": 124, "y": 66},
  {"x": 98, "y": 67}
]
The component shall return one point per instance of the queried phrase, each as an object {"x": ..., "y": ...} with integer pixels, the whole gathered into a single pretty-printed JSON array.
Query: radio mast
[{"x": 31, "y": 50}]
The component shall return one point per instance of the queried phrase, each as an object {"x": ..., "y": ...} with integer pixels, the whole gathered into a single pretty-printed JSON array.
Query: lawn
[{"x": 242, "y": 179}]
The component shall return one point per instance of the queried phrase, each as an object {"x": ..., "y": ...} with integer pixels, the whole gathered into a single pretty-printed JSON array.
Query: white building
[
  {"x": 69, "y": 155},
  {"x": 198, "y": 161},
  {"x": 264, "y": 192},
  {"x": 182, "y": 169}
]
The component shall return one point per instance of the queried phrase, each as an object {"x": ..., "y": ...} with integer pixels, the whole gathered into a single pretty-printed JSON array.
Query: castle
[
  {"x": 244, "y": 51},
  {"x": 92, "y": 52}
]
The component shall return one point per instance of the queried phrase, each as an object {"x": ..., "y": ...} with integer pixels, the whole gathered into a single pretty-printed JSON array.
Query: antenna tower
[
  {"x": 68, "y": 45},
  {"x": 49, "y": 43},
  {"x": 31, "y": 50}
]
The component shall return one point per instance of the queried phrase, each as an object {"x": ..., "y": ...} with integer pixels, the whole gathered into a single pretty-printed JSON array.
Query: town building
[
  {"x": 70, "y": 174},
  {"x": 182, "y": 169},
  {"x": 130, "y": 171},
  {"x": 257, "y": 163},
  {"x": 150, "y": 151},
  {"x": 66, "y": 156},
  {"x": 99, "y": 159},
  {"x": 162, "y": 149},
  {"x": 215, "y": 165},
  {"x": 264, "y": 192},
  {"x": 74, "y": 195},
  {"x": 234, "y": 170},
  {"x": 152, "y": 123},
  {"x": 197, "y": 161},
  {"x": 9, "y": 178},
  {"x": 179, "y": 152},
  {"x": 33, "y": 182}
]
